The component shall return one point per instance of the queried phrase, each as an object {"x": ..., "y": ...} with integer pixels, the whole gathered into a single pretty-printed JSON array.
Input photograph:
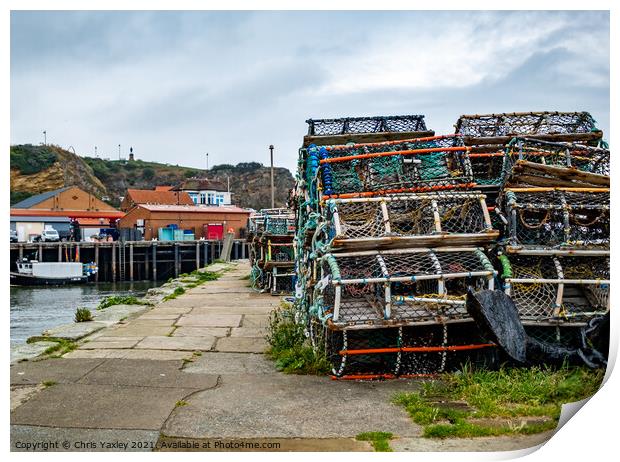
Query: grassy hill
[{"x": 36, "y": 169}]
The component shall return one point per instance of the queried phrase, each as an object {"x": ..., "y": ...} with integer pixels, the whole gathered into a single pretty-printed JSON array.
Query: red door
[{"x": 214, "y": 231}]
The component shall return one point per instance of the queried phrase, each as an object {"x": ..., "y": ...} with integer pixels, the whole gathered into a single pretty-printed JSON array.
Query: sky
[{"x": 177, "y": 85}]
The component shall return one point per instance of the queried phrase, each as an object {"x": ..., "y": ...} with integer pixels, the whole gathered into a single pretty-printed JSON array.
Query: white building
[{"x": 204, "y": 191}]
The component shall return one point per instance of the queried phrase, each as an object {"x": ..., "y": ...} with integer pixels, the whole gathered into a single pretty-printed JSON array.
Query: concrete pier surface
[{"x": 190, "y": 374}]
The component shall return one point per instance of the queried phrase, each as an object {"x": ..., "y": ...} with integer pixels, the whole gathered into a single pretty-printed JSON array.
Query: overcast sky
[{"x": 178, "y": 85}]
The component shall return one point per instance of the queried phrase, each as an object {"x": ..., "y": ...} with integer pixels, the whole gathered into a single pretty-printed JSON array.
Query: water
[{"x": 35, "y": 309}]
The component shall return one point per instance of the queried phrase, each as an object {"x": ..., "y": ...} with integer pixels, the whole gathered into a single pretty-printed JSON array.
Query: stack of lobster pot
[
  {"x": 488, "y": 135},
  {"x": 390, "y": 234},
  {"x": 270, "y": 237},
  {"x": 555, "y": 257}
]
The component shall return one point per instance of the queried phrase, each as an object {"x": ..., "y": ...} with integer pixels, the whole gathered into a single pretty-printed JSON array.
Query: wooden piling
[
  {"x": 113, "y": 261},
  {"x": 40, "y": 255},
  {"x": 97, "y": 261},
  {"x": 177, "y": 260},
  {"x": 154, "y": 249},
  {"x": 197, "y": 255},
  {"x": 131, "y": 262},
  {"x": 21, "y": 252},
  {"x": 59, "y": 252}
]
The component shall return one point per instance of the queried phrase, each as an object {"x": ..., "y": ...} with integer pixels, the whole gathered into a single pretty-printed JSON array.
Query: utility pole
[
  {"x": 44, "y": 137},
  {"x": 207, "y": 162},
  {"x": 273, "y": 200},
  {"x": 119, "y": 152}
]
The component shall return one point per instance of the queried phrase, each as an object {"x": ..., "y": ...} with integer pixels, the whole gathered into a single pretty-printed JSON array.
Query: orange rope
[
  {"x": 400, "y": 190},
  {"x": 431, "y": 349},
  {"x": 408, "y": 152},
  {"x": 486, "y": 154},
  {"x": 390, "y": 143}
]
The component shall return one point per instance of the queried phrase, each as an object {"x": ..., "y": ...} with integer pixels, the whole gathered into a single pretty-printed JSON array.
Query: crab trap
[
  {"x": 414, "y": 165},
  {"x": 525, "y": 123},
  {"x": 542, "y": 163},
  {"x": 378, "y": 124},
  {"x": 398, "y": 287},
  {"x": 409, "y": 220},
  {"x": 558, "y": 217},
  {"x": 552, "y": 288}
]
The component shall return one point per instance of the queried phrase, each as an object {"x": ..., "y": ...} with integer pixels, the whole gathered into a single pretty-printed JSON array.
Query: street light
[
  {"x": 44, "y": 137},
  {"x": 119, "y": 152},
  {"x": 207, "y": 162},
  {"x": 273, "y": 201}
]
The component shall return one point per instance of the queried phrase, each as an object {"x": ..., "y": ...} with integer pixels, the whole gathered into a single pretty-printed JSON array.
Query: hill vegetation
[{"x": 37, "y": 169}]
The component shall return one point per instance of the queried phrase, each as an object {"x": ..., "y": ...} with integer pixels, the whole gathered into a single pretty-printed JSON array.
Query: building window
[
  {"x": 194, "y": 197},
  {"x": 211, "y": 197},
  {"x": 202, "y": 198},
  {"x": 220, "y": 199}
]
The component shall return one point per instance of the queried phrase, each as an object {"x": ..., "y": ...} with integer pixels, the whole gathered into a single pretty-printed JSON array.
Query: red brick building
[
  {"x": 207, "y": 222},
  {"x": 154, "y": 196}
]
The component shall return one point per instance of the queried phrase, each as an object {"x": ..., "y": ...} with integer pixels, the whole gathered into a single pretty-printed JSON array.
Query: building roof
[
  {"x": 34, "y": 200},
  {"x": 202, "y": 184},
  {"x": 163, "y": 188},
  {"x": 149, "y": 196},
  {"x": 192, "y": 209},
  {"x": 38, "y": 219}
]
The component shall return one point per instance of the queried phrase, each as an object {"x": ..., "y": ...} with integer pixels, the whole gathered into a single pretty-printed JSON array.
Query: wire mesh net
[
  {"x": 439, "y": 162},
  {"x": 487, "y": 168},
  {"x": 532, "y": 123},
  {"x": 413, "y": 215},
  {"x": 402, "y": 286},
  {"x": 552, "y": 218},
  {"x": 404, "y": 123},
  {"x": 402, "y": 351},
  {"x": 568, "y": 288}
]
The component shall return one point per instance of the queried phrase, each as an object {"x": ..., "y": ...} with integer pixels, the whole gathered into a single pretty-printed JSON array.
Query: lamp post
[
  {"x": 119, "y": 152},
  {"x": 273, "y": 201},
  {"x": 96, "y": 152},
  {"x": 44, "y": 137},
  {"x": 207, "y": 162}
]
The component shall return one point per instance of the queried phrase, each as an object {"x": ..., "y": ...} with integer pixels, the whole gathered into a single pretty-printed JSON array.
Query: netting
[
  {"x": 405, "y": 351},
  {"x": 487, "y": 168},
  {"x": 541, "y": 163},
  {"x": 393, "y": 167},
  {"x": 272, "y": 254},
  {"x": 405, "y": 123},
  {"x": 559, "y": 287},
  {"x": 442, "y": 216},
  {"x": 405, "y": 285},
  {"x": 531, "y": 123},
  {"x": 556, "y": 217}
]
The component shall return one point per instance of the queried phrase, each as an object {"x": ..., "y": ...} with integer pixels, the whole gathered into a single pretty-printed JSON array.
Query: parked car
[
  {"x": 49, "y": 235},
  {"x": 13, "y": 235}
]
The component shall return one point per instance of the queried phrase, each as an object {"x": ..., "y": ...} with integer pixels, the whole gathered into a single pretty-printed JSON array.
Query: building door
[{"x": 214, "y": 231}]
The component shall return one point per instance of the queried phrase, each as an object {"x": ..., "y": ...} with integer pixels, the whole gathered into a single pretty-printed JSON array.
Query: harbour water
[{"x": 35, "y": 309}]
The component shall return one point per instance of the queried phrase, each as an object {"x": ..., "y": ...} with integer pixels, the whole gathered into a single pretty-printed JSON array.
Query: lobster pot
[
  {"x": 374, "y": 288},
  {"x": 559, "y": 287},
  {"x": 487, "y": 168},
  {"x": 421, "y": 164},
  {"x": 280, "y": 252},
  {"x": 406, "y": 350},
  {"x": 531, "y": 123},
  {"x": 281, "y": 280},
  {"x": 349, "y": 125},
  {"x": 413, "y": 220},
  {"x": 558, "y": 217}
]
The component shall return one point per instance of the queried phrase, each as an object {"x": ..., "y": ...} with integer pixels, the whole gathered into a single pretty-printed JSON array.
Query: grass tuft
[
  {"x": 120, "y": 300},
  {"x": 178, "y": 291},
  {"x": 83, "y": 315},
  {"x": 379, "y": 440},
  {"x": 289, "y": 347}
]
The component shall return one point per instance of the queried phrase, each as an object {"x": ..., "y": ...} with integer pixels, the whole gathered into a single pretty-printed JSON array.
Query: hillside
[{"x": 36, "y": 169}]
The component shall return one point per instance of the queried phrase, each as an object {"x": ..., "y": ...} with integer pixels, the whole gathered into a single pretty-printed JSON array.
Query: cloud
[{"x": 175, "y": 85}]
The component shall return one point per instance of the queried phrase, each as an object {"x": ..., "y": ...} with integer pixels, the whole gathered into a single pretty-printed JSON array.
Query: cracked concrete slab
[
  {"x": 230, "y": 363},
  {"x": 241, "y": 344},
  {"x": 136, "y": 372},
  {"x": 248, "y": 332},
  {"x": 59, "y": 370},
  {"x": 210, "y": 320},
  {"x": 201, "y": 332},
  {"x": 122, "y": 342},
  {"x": 22, "y": 393},
  {"x": 207, "y": 310},
  {"x": 83, "y": 439},
  {"x": 155, "y": 355},
  {"x": 29, "y": 351},
  {"x": 138, "y": 331},
  {"x": 99, "y": 406},
  {"x": 177, "y": 343},
  {"x": 71, "y": 332},
  {"x": 287, "y": 406},
  {"x": 262, "y": 444},
  {"x": 255, "y": 320}
]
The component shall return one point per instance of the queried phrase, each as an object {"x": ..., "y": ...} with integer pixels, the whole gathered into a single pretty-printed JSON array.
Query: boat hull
[{"x": 19, "y": 279}]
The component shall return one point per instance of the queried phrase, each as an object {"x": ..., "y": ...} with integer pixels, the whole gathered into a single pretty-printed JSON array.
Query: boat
[{"x": 35, "y": 273}]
